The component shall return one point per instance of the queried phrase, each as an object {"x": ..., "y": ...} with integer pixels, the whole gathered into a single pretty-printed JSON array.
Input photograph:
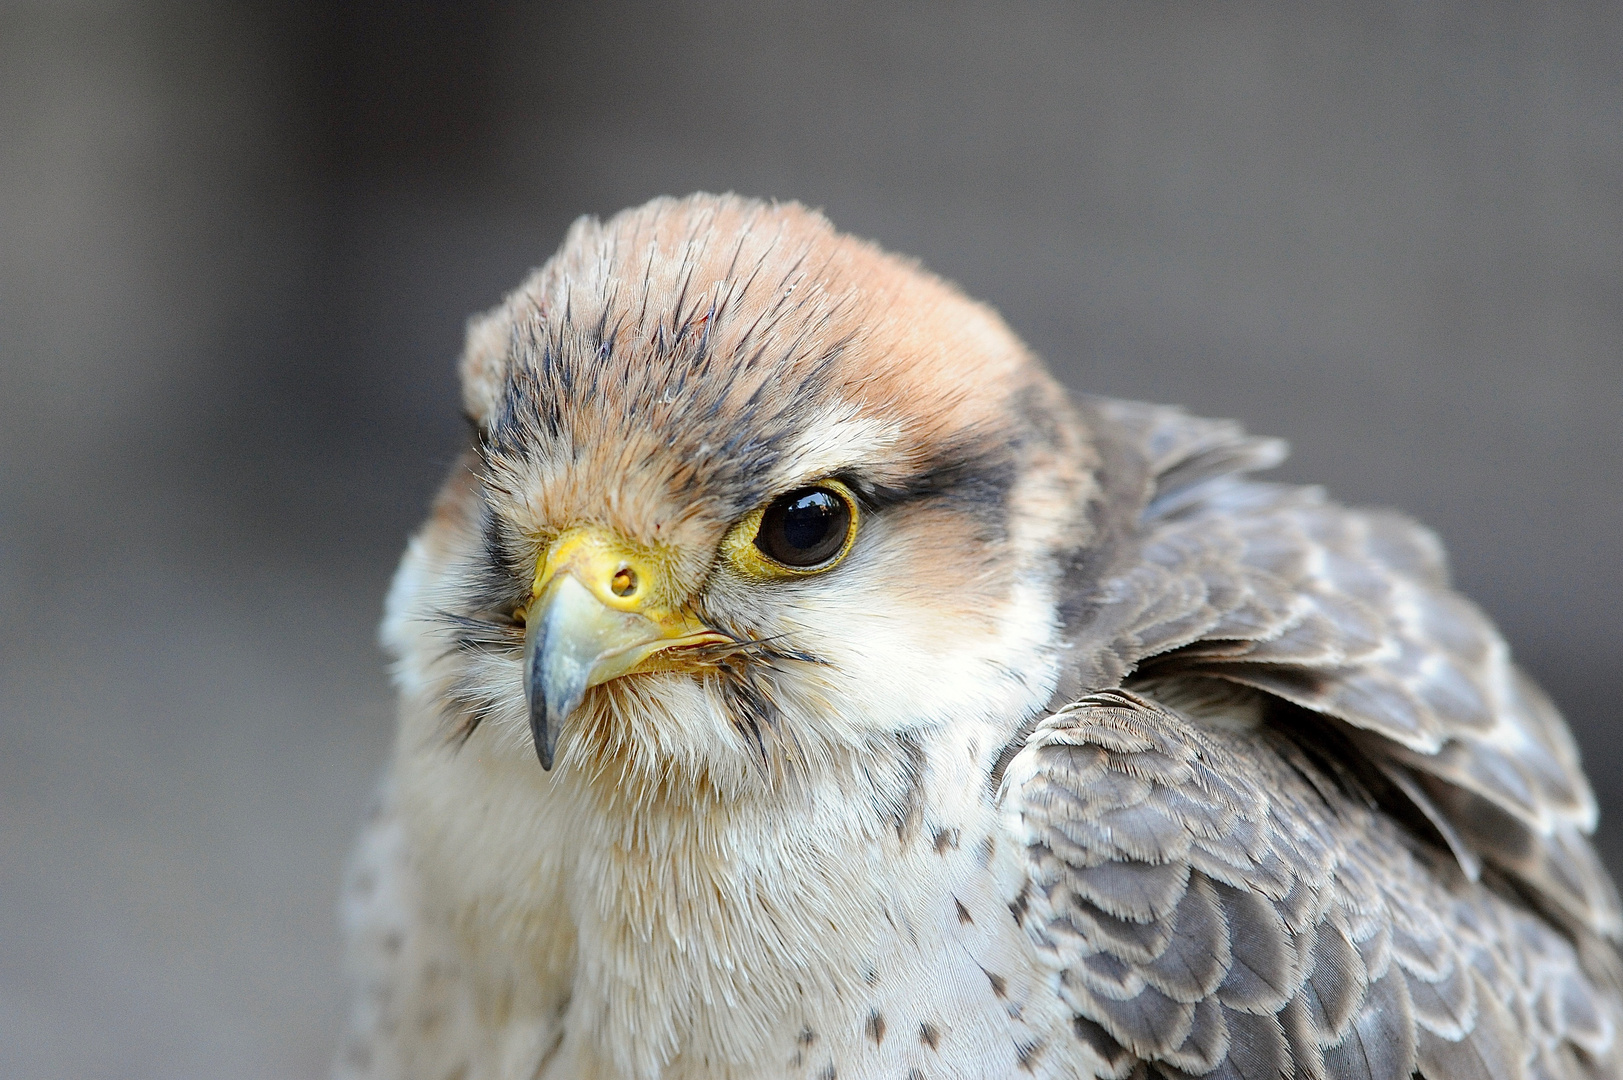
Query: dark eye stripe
[
  {"x": 977, "y": 477},
  {"x": 806, "y": 527}
]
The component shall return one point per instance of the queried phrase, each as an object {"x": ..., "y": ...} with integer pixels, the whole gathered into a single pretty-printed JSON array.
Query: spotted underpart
[{"x": 1094, "y": 757}]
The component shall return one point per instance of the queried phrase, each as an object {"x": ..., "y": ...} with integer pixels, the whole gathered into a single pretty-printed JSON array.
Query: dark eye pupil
[{"x": 805, "y": 527}]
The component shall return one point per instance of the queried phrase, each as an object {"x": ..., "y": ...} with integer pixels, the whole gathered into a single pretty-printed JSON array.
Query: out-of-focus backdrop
[{"x": 238, "y": 243}]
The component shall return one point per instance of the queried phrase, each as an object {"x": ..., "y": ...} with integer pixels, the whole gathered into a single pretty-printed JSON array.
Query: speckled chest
[
  {"x": 954, "y": 992},
  {"x": 924, "y": 971}
]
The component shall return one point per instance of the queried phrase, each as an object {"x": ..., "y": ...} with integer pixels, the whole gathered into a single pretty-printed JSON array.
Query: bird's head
[{"x": 747, "y": 495}]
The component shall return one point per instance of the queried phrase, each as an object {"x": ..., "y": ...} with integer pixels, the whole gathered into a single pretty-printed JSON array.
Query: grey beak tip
[{"x": 539, "y": 730}]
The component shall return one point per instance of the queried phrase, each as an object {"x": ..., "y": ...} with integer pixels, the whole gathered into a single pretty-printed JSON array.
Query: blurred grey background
[{"x": 238, "y": 242}]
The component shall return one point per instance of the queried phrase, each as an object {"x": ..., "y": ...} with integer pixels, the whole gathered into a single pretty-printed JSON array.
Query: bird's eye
[
  {"x": 804, "y": 528},
  {"x": 805, "y": 531}
]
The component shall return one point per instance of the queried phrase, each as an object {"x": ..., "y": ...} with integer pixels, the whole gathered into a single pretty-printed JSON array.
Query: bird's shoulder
[{"x": 1205, "y": 573}]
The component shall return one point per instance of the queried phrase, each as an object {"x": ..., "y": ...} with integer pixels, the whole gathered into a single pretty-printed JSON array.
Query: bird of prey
[{"x": 795, "y": 681}]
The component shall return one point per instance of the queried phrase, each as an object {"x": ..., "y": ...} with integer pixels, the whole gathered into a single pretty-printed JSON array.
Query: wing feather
[
  {"x": 1327, "y": 943},
  {"x": 1348, "y": 614}
]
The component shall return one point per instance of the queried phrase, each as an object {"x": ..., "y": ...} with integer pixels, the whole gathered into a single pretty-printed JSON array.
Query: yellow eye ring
[{"x": 801, "y": 533}]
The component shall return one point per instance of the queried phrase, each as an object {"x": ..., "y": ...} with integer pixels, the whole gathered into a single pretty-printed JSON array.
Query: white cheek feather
[
  {"x": 894, "y": 664},
  {"x": 403, "y": 630}
]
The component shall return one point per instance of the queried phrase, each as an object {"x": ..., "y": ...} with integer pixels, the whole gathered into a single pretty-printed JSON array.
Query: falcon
[{"x": 795, "y": 681}]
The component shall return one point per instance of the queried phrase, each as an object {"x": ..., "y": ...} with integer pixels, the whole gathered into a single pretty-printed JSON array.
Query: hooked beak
[{"x": 595, "y": 615}]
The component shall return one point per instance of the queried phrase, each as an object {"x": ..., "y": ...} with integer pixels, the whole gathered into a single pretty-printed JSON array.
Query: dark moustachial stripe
[
  {"x": 496, "y": 581},
  {"x": 750, "y": 706}
]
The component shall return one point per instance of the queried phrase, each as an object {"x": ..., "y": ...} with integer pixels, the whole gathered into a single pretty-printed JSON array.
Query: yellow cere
[{"x": 619, "y": 574}]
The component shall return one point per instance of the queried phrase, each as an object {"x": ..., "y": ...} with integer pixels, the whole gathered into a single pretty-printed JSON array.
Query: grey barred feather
[
  {"x": 1347, "y": 613},
  {"x": 1217, "y": 903}
]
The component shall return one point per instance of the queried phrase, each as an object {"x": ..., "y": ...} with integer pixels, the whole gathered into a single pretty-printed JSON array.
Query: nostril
[{"x": 624, "y": 582}]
